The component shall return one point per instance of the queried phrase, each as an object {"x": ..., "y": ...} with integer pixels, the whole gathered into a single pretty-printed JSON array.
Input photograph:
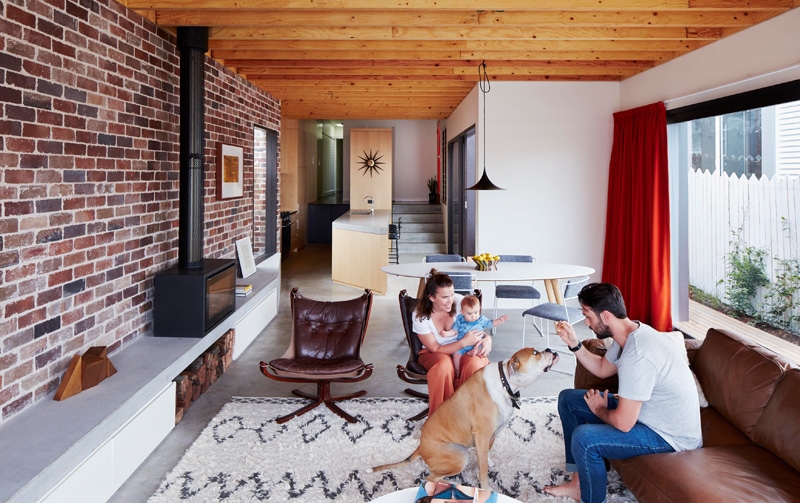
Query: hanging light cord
[{"x": 485, "y": 87}]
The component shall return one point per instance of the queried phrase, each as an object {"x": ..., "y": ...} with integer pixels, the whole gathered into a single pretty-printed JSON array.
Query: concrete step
[
  {"x": 423, "y": 248},
  {"x": 422, "y": 237},
  {"x": 416, "y": 208},
  {"x": 421, "y": 227},
  {"x": 417, "y": 218}
]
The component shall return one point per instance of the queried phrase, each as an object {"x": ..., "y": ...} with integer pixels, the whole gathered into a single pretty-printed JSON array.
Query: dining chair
[
  {"x": 515, "y": 291},
  {"x": 444, "y": 258},
  {"x": 413, "y": 372},
  {"x": 551, "y": 311},
  {"x": 325, "y": 348},
  {"x": 463, "y": 282}
]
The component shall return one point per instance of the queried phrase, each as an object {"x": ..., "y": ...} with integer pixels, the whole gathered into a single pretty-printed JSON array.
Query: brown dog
[{"x": 475, "y": 414}]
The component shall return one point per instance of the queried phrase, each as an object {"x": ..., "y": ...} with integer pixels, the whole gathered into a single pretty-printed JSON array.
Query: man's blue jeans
[{"x": 587, "y": 440}]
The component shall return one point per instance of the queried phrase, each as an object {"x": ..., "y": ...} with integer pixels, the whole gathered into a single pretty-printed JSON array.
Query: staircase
[{"x": 423, "y": 227}]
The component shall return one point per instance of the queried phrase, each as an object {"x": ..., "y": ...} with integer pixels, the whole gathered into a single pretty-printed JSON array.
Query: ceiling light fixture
[{"x": 483, "y": 81}]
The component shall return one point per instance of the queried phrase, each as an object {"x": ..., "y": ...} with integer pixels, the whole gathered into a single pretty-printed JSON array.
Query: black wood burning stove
[{"x": 190, "y": 302}]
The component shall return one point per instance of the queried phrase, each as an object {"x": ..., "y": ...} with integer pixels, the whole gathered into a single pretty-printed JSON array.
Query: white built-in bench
[{"x": 85, "y": 447}]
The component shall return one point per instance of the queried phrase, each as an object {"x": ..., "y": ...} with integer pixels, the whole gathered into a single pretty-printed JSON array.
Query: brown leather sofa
[{"x": 751, "y": 429}]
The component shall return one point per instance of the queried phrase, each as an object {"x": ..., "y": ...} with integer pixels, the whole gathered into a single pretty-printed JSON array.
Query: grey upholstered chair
[
  {"x": 444, "y": 258},
  {"x": 518, "y": 291},
  {"x": 550, "y": 311},
  {"x": 463, "y": 282}
]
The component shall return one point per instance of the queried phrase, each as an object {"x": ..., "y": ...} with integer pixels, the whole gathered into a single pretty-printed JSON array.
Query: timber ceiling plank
[{"x": 403, "y": 59}]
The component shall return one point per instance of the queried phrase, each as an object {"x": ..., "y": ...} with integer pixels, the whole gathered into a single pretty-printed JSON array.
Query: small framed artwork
[
  {"x": 244, "y": 251},
  {"x": 230, "y": 171}
]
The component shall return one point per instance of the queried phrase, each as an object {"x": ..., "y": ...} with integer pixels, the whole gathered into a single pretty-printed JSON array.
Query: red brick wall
[{"x": 89, "y": 113}]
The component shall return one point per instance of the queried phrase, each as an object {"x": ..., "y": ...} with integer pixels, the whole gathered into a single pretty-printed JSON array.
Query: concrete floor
[{"x": 385, "y": 347}]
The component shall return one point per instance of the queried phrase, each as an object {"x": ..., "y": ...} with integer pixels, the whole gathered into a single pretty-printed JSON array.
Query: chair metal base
[{"x": 323, "y": 395}]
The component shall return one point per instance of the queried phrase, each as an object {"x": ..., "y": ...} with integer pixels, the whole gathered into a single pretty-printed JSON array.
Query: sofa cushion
[
  {"x": 719, "y": 431},
  {"x": 779, "y": 427},
  {"x": 730, "y": 474},
  {"x": 737, "y": 376}
]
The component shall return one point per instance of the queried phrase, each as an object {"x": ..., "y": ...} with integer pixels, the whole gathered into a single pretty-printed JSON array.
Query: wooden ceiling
[{"x": 417, "y": 59}]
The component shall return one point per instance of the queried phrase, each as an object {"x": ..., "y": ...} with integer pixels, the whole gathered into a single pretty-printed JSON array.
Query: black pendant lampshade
[{"x": 484, "y": 183}]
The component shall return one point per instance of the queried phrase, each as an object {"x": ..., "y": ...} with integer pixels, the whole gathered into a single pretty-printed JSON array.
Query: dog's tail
[{"x": 413, "y": 457}]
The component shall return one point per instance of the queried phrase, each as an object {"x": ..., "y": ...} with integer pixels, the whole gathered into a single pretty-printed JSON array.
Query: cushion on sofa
[
  {"x": 737, "y": 376},
  {"x": 779, "y": 427},
  {"x": 719, "y": 431},
  {"x": 731, "y": 474}
]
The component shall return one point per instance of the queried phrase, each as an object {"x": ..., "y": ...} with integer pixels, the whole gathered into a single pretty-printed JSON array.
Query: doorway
[
  {"x": 265, "y": 192},
  {"x": 461, "y": 202}
]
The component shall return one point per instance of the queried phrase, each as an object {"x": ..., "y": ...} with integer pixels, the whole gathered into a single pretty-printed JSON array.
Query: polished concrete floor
[{"x": 385, "y": 347}]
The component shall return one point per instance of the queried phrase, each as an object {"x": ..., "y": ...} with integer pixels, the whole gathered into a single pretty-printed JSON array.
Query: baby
[{"x": 468, "y": 319}]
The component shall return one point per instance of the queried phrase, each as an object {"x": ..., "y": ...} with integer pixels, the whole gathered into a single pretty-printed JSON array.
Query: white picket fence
[{"x": 767, "y": 211}]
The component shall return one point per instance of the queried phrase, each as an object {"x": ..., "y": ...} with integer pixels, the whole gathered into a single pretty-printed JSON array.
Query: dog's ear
[{"x": 515, "y": 363}]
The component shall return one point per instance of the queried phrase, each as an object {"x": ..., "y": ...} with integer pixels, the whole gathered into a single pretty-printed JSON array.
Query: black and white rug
[{"x": 243, "y": 455}]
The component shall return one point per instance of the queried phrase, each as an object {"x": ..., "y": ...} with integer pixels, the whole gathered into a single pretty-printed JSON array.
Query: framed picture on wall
[{"x": 230, "y": 171}]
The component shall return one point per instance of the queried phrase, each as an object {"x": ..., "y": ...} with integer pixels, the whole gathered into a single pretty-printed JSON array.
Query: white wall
[
  {"x": 764, "y": 55},
  {"x": 414, "y": 156},
  {"x": 548, "y": 145},
  {"x": 464, "y": 116}
]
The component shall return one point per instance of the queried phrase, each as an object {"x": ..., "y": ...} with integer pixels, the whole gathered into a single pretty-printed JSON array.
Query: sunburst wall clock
[{"x": 371, "y": 163}]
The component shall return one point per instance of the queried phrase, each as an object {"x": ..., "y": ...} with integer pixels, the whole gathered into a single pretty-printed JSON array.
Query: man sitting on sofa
[{"x": 656, "y": 410}]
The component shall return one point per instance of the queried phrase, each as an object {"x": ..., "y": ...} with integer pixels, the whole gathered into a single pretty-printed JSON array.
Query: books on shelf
[{"x": 242, "y": 290}]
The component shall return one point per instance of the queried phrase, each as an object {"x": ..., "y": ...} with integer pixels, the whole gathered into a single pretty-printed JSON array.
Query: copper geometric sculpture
[{"x": 85, "y": 372}]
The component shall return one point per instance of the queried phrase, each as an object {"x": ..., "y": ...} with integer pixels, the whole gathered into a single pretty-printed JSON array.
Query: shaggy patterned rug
[{"x": 243, "y": 455}]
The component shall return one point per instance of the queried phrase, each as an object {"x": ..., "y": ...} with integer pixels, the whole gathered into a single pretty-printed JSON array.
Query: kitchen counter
[
  {"x": 360, "y": 248},
  {"x": 375, "y": 223}
]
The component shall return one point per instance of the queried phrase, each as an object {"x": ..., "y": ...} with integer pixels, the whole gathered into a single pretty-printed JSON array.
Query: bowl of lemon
[{"x": 486, "y": 262}]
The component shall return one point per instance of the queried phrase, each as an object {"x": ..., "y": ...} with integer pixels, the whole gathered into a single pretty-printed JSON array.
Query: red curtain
[{"x": 637, "y": 257}]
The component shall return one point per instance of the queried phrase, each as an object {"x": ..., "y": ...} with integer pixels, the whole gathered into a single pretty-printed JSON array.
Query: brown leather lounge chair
[{"x": 325, "y": 348}]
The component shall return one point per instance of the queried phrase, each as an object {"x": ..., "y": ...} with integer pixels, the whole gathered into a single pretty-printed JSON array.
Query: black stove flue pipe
[{"x": 193, "y": 44}]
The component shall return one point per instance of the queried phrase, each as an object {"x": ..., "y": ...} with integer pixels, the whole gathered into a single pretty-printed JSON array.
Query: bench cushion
[
  {"x": 779, "y": 427},
  {"x": 737, "y": 376},
  {"x": 730, "y": 474}
]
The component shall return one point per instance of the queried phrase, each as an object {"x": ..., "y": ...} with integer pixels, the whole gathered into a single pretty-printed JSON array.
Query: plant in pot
[{"x": 433, "y": 186}]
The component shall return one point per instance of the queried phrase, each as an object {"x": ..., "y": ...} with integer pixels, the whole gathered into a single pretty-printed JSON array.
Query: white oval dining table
[{"x": 547, "y": 272}]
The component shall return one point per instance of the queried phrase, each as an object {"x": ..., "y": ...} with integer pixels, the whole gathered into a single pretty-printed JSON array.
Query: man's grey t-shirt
[{"x": 652, "y": 370}]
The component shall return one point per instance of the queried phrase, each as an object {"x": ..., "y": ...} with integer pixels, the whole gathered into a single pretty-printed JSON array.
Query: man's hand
[
  {"x": 597, "y": 402},
  {"x": 567, "y": 334}
]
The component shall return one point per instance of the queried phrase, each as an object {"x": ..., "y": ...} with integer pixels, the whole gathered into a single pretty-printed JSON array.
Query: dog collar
[{"x": 514, "y": 396}]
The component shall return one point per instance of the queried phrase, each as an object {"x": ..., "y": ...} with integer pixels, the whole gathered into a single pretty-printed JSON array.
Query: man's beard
[{"x": 602, "y": 331}]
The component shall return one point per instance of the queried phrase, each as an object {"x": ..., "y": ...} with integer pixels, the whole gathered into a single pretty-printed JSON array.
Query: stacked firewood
[{"x": 202, "y": 373}]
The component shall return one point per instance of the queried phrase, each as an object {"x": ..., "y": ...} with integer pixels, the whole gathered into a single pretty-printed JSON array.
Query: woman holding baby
[{"x": 435, "y": 313}]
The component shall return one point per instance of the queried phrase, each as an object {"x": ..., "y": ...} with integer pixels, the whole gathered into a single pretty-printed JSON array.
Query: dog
[{"x": 474, "y": 415}]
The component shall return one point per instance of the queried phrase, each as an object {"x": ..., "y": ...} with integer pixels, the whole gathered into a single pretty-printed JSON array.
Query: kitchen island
[{"x": 360, "y": 247}]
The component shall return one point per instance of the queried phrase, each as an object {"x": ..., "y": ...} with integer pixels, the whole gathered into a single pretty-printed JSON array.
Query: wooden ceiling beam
[
  {"x": 252, "y": 72},
  {"x": 420, "y": 18},
  {"x": 452, "y": 46},
  {"x": 500, "y": 5},
  {"x": 272, "y": 64},
  {"x": 464, "y": 32},
  {"x": 470, "y": 56}
]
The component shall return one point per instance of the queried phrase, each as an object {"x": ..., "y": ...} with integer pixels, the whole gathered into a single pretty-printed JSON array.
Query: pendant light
[{"x": 485, "y": 86}]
